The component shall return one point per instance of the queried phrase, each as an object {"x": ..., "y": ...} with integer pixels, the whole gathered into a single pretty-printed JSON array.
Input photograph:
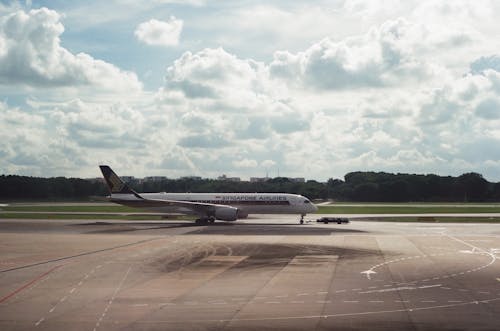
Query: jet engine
[{"x": 226, "y": 213}]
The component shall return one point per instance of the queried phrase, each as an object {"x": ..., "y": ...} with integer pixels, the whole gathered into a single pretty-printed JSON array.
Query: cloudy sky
[{"x": 315, "y": 89}]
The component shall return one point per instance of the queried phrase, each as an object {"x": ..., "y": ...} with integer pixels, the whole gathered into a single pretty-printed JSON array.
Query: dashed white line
[{"x": 112, "y": 299}]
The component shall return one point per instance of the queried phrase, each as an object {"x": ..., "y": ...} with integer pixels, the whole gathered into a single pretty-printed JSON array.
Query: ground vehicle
[{"x": 327, "y": 220}]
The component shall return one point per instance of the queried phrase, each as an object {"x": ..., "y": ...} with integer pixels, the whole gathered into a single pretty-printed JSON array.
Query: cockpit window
[{"x": 307, "y": 201}]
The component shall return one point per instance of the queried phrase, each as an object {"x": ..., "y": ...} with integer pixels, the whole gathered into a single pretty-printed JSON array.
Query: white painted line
[
  {"x": 39, "y": 321},
  {"x": 72, "y": 290},
  {"x": 430, "y": 286},
  {"x": 351, "y": 301},
  {"x": 112, "y": 298},
  {"x": 52, "y": 309}
]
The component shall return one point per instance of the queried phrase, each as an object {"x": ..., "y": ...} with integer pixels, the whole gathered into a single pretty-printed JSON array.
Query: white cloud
[
  {"x": 245, "y": 163},
  {"x": 160, "y": 33},
  {"x": 32, "y": 56},
  {"x": 388, "y": 55}
]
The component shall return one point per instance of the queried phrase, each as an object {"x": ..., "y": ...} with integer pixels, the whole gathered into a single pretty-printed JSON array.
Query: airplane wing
[
  {"x": 197, "y": 207},
  {"x": 221, "y": 212}
]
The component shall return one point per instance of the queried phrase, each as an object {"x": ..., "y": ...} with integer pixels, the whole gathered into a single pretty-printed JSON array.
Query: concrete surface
[{"x": 267, "y": 273}]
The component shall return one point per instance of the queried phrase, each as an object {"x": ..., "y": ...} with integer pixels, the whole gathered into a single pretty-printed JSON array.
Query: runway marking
[
  {"x": 112, "y": 299},
  {"x": 33, "y": 281},
  {"x": 39, "y": 321},
  {"x": 402, "y": 288},
  {"x": 53, "y": 308},
  {"x": 282, "y": 318}
]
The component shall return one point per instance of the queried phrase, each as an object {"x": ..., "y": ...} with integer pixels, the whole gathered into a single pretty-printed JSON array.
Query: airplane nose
[{"x": 314, "y": 208}]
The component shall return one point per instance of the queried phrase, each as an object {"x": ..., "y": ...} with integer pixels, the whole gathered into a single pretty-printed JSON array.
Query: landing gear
[
  {"x": 301, "y": 219},
  {"x": 205, "y": 220},
  {"x": 201, "y": 221}
]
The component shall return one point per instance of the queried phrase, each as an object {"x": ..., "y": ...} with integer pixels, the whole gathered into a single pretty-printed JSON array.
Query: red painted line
[{"x": 8, "y": 296}]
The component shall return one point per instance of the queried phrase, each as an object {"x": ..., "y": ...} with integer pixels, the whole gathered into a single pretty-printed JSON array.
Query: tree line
[{"x": 356, "y": 186}]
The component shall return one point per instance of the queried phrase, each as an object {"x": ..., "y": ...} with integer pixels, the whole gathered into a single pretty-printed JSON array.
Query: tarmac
[{"x": 266, "y": 273}]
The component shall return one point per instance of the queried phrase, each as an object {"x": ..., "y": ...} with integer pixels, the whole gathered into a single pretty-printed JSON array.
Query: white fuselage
[{"x": 247, "y": 203}]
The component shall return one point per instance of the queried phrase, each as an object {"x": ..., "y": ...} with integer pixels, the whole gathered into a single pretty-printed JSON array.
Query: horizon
[{"x": 245, "y": 179}]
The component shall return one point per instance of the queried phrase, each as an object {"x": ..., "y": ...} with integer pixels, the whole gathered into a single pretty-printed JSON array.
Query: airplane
[{"x": 207, "y": 206}]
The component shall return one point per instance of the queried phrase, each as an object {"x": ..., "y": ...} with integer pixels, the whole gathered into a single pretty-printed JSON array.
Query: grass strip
[
  {"x": 404, "y": 210},
  {"x": 427, "y": 219},
  {"x": 89, "y": 217}
]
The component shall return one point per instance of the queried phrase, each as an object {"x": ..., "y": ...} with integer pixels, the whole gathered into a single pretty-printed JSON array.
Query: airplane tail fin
[{"x": 115, "y": 184}]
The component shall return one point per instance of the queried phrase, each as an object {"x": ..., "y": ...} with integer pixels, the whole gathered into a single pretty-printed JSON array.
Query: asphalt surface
[{"x": 260, "y": 274}]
